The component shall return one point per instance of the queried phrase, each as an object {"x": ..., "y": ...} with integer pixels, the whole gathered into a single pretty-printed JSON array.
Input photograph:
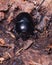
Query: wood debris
[
  {"x": 2, "y": 41},
  {"x": 1, "y": 60}
]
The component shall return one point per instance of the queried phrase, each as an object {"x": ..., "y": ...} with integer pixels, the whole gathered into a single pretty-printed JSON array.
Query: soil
[{"x": 37, "y": 49}]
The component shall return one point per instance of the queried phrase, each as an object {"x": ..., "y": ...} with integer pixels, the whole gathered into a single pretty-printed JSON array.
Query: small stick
[
  {"x": 19, "y": 51},
  {"x": 40, "y": 5},
  {"x": 11, "y": 34}
]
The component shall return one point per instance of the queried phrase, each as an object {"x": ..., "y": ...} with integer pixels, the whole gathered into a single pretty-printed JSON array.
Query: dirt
[{"x": 37, "y": 49}]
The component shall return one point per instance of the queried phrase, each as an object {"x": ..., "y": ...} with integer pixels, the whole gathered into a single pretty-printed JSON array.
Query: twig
[
  {"x": 11, "y": 34},
  {"x": 19, "y": 51},
  {"x": 40, "y": 5},
  {"x": 34, "y": 63}
]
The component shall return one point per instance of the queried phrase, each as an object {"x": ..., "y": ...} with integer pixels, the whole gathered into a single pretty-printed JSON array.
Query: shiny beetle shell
[{"x": 24, "y": 23}]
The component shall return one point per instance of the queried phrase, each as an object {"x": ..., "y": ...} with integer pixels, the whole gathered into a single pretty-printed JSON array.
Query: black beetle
[{"x": 24, "y": 25}]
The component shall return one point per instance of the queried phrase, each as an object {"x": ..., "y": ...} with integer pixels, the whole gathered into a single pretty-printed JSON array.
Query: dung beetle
[{"x": 24, "y": 25}]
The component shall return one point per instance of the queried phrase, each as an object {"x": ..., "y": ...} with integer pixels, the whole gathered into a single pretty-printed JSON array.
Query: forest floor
[{"x": 36, "y": 50}]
